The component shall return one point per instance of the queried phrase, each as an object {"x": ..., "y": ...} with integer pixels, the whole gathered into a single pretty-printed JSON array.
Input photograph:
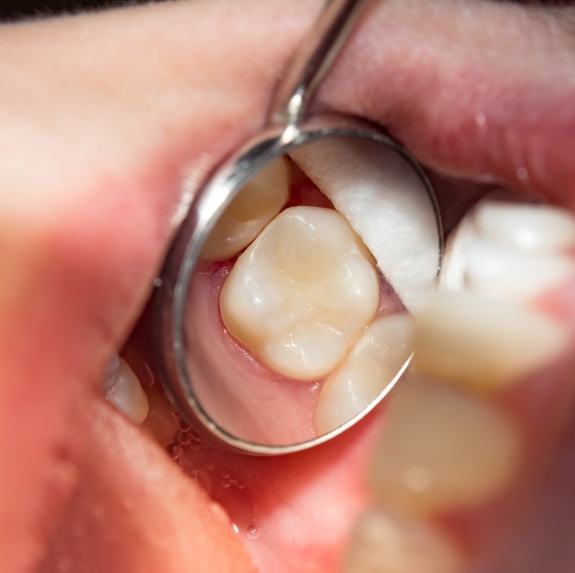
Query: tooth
[
  {"x": 485, "y": 343},
  {"x": 514, "y": 275},
  {"x": 123, "y": 389},
  {"x": 301, "y": 293},
  {"x": 386, "y": 204},
  {"x": 368, "y": 370},
  {"x": 388, "y": 543},
  {"x": 528, "y": 227},
  {"x": 442, "y": 450},
  {"x": 255, "y": 205},
  {"x": 510, "y": 251}
]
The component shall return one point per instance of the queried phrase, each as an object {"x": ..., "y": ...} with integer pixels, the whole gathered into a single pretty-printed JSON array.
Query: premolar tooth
[
  {"x": 387, "y": 205},
  {"x": 485, "y": 343},
  {"x": 528, "y": 227},
  {"x": 513, "y": 274},
  {"x": 442, "y": 449},
  {"x": 369, "y": 368},
  {"x": 301, "y": 293},
  {"x": 123, "y": 389},
  {"x": 255, "y": 205},
  {"x": 388, "y": 543}
]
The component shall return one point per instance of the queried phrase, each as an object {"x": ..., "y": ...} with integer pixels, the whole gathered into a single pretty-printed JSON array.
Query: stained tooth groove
[
  {"x": 386, "y": 204},
  {"x": 442, "y": 450},
  {"x": 370, "y": 367},
  {"x": 485, "y": 343},
  {"x": 301, "y": 293},
  {"x": 388, "y": 543},
  {"x": 123, "y": 389},
  {"x": 255, "y": 205}
]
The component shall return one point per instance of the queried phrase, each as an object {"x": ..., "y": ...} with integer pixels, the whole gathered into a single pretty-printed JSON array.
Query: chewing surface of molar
[
  {"x": 387, "y": 205},
  {"x": 388, "y": 543},
  {"x": 123, "y": 389},
  {"x": 370, "y": 367},
  {"x": 469, "y": 339},
  {"x": 255, "y": 205},
  {"x": 510, "y": 251},
  {"x": 442, "y": 449},
  {"x": 302, "y": 293}
]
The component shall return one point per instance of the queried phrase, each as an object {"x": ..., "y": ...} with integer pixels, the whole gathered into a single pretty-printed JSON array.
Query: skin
[{"x": 103, "y": 116}]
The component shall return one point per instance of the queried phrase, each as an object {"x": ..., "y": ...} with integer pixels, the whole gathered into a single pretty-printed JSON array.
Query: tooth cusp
[
  {"x": 123, "y": 389},
  {"x": 484, "y": 343},
  {"x": 383, "y": 542},
  {"x": 301, "y": 293},
  {"x": 371, "y": 366},
  {"x": 443, "y": 449},
  {"x": 255, "y": 205}
]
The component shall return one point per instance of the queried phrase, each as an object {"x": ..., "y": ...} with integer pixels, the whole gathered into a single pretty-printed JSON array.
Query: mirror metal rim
[{"x": 207, "y": 206}]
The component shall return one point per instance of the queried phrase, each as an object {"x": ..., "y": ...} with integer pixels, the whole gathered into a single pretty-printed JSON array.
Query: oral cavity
[
  {"x": 302, "y": 293},
  {"x": 123, "y": 389}
]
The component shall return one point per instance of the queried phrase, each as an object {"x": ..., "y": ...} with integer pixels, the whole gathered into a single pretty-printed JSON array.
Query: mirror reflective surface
[{"x": 297, "y": 312}]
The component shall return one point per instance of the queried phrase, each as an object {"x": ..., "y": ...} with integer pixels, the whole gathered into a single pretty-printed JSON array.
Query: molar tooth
[
  {"x": 481, "y": 342},
  {"x": 388, "y": 543},
  {"x": 442, "y": 449},
  {"x": 370, "y": 367},
  {"x": 255, "y": 205},
  {"x": 123, "y": 389},
  {"x": 513, "y": 274},
  {"x": 528, "y": 227},
  {"x": 301, "y": 293},
  {"x": 385, "y": 202}
]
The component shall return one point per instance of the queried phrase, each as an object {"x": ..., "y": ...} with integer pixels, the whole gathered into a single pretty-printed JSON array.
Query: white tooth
[
  {"x": 368, "y": 370},
  {"x": 255, "y": 205},
  {"x": 515, "y": 275},
  {"x": 385, "y": 202},
  {"x": 528, "y": 227},
  {"x": 485, "y": 343},
  {"x": 442, "y": 450},
  {"x": 388, "y": 543},
  {"x": 301, "y": 293},
  {"x": 123, "y": 389}
]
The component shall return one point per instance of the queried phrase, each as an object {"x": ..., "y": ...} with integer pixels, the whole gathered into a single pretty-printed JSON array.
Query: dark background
[{"x": 20, "y": 9}]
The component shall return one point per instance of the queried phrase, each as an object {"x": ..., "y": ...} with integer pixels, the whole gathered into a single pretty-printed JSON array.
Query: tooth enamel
[
  {"x": 485, "y": 343},
  {"x": 387, "y": 543},
  {"x": 386, "y": 204},
  {"x": 509, "y": 251},
  {"x": 123, "y": 389},
  {"x": 368, "y": 370},
  {"x": 301, "y": 293},
  {"x": 442, "y": 450},
  {"x": 255, "y": 205},
  {"x": 528, "y": 227},
  {"x": 505, "y": 273}
]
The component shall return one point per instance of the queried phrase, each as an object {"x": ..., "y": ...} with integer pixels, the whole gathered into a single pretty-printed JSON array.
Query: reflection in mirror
[{"x": 298, "y": 316}]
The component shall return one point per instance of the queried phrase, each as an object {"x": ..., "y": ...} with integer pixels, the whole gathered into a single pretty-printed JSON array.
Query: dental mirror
[{"x": 284, "y": 310}]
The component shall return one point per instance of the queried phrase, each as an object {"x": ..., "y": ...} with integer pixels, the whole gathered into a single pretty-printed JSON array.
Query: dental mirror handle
[{"x": 313, "y": 59}]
